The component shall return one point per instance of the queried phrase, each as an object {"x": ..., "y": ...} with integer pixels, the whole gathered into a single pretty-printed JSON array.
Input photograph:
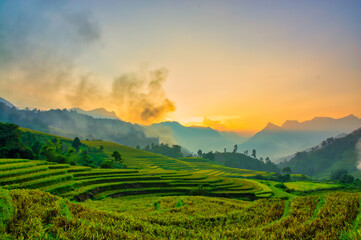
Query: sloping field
[
  {"x": 310, "y": 186},
  {"x": 136, "y": 158},
  {"x": 81, "y": 183},
  {"x": 206, "y": 166},
  {"x": 29, "y": 214}
]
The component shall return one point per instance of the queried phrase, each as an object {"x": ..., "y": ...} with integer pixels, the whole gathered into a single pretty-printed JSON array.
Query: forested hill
[
  {"x": 243, "y": 161},
  {"x": 72, "y": 124},
  {"x": 332, "y": 154}
]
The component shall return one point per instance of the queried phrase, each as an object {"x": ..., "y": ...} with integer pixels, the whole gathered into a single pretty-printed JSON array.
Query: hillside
[
  {"x": 293, "y": 136},
  {"x": 96, "y": 113},
  {"x": 138, "y": 159},
  {"x": 330, "y": 155},
  {"x": 7, "y": 103},
  {"x": 72, "y": 124},
  {"x": 38, "y": 215},
  {"x": 195, "y": 138}
]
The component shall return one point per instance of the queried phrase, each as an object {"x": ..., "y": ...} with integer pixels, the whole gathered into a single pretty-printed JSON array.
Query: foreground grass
[{"x": 32, "y": 214}]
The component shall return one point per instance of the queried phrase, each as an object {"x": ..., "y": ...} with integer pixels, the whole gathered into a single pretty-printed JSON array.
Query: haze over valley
[{"x": 203, "y": 119}]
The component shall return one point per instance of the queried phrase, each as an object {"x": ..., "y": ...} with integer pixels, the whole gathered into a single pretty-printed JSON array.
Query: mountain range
[
  {"x": 195, "y": 138},
  {"x": 72, "y": 124},
  {"x": 97, "y": 113},
  {"x": 293, "y": 136},
  {"x": 276, "y": 142}
]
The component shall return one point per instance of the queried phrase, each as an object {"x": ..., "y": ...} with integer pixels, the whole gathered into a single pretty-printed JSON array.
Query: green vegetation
[
  {"x": 243, "y": 161},
  {"x": 144, "y": 195},
  {"x": 39, "y": 215},
  {"x": 10, "y": 143},
  {"x": 310, "y": 186},
  {"x": 332, "y": 154},
  {"x": 174, "y": 151},
  {"x": 81, "y": 183}
]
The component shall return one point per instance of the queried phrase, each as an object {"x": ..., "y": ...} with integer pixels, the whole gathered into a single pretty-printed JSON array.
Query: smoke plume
[
  {"x": 141, "y": 96},
  {"x": 358, "y": 151},
  {"x": 41, "y": 44}
]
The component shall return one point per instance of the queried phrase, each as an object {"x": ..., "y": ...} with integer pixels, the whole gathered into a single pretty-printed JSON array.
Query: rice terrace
[{"x": 201, "y": 119}]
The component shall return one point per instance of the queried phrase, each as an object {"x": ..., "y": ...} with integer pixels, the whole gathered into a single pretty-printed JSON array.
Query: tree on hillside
[
  {"x": 117, "y": 157},
  {"x": 235, "y": 148},
  {"x": 342, "y": 176},
  {"x": 209, "y": 155},
  {"x": 253, "y": 153},
  {"x": 101, "y": 148},
  {"x": 267, "y": 160},
  {"x": 10, "y": 143},
  {"x": 76, "y": 143},
  {"x": 200, "y": 153},
  {"x": 245, "y": 152},
  {"x": 286, "y": 170}
]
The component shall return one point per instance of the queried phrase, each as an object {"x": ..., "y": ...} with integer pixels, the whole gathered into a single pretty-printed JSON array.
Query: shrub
[{"x": 6, "y": 209}]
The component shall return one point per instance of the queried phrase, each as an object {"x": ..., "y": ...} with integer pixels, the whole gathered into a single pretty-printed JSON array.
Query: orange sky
[{"x": 231, "y": 65}]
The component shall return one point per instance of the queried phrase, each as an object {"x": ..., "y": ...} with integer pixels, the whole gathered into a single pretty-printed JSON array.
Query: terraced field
[
  {"x": 38, "y": 215},
  {"x": 139, "y": 159},
  {"x": 81, "y": 183},
  {"x": 310, "y": 186},
  {"x": 208, "y": 167},
  {"x": 136, "y": 158}
]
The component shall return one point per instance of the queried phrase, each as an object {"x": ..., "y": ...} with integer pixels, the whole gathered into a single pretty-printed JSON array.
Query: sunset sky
[{"x": 232, "y": 65}]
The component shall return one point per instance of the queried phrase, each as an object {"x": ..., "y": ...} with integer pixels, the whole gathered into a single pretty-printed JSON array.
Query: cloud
[
  {"x": 215, "y": 124},
  {"x": 41, "y": 44}
]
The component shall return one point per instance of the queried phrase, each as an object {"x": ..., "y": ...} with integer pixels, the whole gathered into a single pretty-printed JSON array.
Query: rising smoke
[
  {"x": 40, "y": 45},
  {"x": 358, "y": 151},
  {"x": 142, "y": 96}
]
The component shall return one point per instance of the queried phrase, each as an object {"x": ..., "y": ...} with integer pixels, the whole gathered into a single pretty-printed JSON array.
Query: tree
[
  {"x": 286, "y": 170},
  {"x": 342, "y": 176},
  {"x": 107, "y": 163},
  {"x": 225, "y": 150},
  {"x": 117, "y": 157},
  {"x": 200, "y": 153},
  {"x": 245, "y": 152},
  {"x": 101, "y": 148},
  {"x": 209, "y": 155},
  {"x": 86, "y": 159},
  {"x": 253, "y": 153},
  {"x": 76, "y": 143},
  {"x": 10, "y": 144},
  {"x": 235, "y": 148},
  {"x": 267, "y": 160}
]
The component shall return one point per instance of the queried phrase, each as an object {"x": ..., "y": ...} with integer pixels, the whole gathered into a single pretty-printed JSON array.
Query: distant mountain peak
[
  {"x": 351, "y": 116},
  {"x": 271, "y": 126},
  {"x": 97, "y": 113},
  {"x": 290, "y": 124},
  {"x": 7, "y": 103}
]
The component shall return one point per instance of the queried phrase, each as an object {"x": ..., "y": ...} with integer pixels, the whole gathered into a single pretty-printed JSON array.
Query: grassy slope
[
  {"x": 310, "y": 186},
  {"x": 81, "y": 183},
  {"x": 139, "y": 159},
  {"x": 38, "y": 215},
  {"x": 346, "y": 162}
]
